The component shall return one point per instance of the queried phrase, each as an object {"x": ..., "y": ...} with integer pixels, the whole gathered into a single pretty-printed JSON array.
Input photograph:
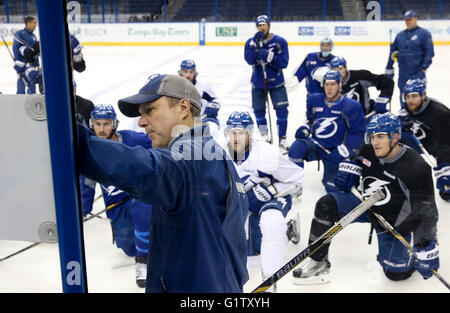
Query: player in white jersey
[
  {"x": 271, "y": 181},
  {"x": 210, "y": 101}
]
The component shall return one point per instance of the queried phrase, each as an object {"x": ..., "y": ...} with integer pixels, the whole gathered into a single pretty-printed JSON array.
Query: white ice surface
[{"x": 116, "y": 72}]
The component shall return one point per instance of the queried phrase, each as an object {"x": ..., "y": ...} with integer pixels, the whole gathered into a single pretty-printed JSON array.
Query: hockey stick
[
  {"x": 397, "y": 235},
  {"x": 266, "y": 95},
  {"x": 37, "y": 243},
  {"x": 7, "y": 48},
  {"x": 319, "y": 145},
  {"x": 325, "y": 238},
  {"x": 424, "y": 151}
]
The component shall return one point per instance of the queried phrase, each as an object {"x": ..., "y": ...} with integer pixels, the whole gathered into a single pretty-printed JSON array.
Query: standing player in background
[
  {"x": 428, "y": 120},
  {"x": 210, "y": 101},
  {"x": 270, "y": 180},
  {"x": 26, "y": 51},
  {"x": 268, "y": 55},
  {"x": 413, "y": 48},
  {"x": 334, "y": 122},
  {"x": 130, "y": 219},
  {"x": 312, "y": 69},
  {"x": 409, "y": 205},
  {"x": 355, "y": 85}
]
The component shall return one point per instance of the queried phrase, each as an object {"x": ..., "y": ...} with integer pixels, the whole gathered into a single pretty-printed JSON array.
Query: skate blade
[{"x": 313, "y": 280}]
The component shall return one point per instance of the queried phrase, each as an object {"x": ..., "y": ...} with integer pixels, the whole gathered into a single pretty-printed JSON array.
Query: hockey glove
[
  {"x": 406, "y": 120},
  {"x": 79, "y": 64},
  {"x": 29, "y": 55},
  {"x": 442, "y": 174},
  {"x": 303, "y": 132},
  {"x": 394, "y": 56},
  {"x": 265, "y": 55},
  {"x": 380, "y": 104},
  {"x": 340, "y": 153},
  {"x": 259, "y": 36},
  {"x": 258, "y": 196},
  {"x": 427, "y": 259},
  {"x": 389, "y": 72},
  {"x": 37, "y": 48},
  {"x": 348, "y": 175},
  {"x": 211, "y": 111}
]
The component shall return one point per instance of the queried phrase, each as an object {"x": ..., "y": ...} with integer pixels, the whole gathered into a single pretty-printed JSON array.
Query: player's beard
[{"x": 107, "y": 136}]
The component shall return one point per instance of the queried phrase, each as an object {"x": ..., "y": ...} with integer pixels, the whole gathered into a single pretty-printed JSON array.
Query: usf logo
[{"x": 230, "y": 31}]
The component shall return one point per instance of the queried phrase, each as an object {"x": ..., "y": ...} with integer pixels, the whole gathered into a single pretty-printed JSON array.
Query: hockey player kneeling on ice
[
  {"x": 130, "y": 219},
  {"x": 335, "y": 128},
  {"x": 271, "y": 181},
  {"x": 356, "y": 84},
  {"x": 409, "y": 205},
  {"x": 427, "y": 119}
]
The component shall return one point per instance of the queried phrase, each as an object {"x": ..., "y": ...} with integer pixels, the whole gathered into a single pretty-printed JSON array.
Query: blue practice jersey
[
  {"x": 111, "y": 194},
  {"x": 336, "y": 123},
  {"x": 199, "y": 207},
  {"x": 23, "y": 39},
  {"x": 306, "y": 70},
  {"x": 415, "y": 52},
  {"x": 274, "y": 69}
]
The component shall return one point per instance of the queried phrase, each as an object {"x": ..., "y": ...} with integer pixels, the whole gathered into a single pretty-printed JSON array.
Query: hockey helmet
[
  {"x": 239, "y": 120},
  {"x": 386, "y": 123},
  {"x": 188, "y": 65},
  {"x": 332, "y": 75},
  {"x": 262, "y": 19},
  {"x": 326, "y": 40},
  {"x": 103, "y": 111},
  {"x": 337, "y": 62},
  {"x": 414, "y": 86}
]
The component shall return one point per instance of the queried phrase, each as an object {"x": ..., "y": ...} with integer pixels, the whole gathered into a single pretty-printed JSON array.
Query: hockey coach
[{"x": 198, "y": 241}]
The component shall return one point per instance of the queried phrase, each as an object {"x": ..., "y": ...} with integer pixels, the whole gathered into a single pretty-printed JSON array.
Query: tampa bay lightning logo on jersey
[
  {"x": 325, "y": 127},
  {"x": 418, "y": 131},
  {"x": 111, "y": 190},
  {"x": 352, "y": 94},
  {"x": 371, "y": 184}
]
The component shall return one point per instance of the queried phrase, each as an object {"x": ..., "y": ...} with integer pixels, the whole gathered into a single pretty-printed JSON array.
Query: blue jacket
[
  {"x": 23, "y": 39},
  {"x": 415, "y": 51},
  {"x": 274, "y": 69},
  {"x": 111, "y": 194},
  {"x": 307, "y": 68},
  {"x": 198, "y": 241}
]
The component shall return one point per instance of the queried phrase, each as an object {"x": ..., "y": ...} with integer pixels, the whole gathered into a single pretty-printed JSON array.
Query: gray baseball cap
[{"x": 159, "y": 85}]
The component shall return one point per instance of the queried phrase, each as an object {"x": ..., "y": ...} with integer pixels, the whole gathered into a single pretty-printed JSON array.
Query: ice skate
[
  {"x": 312, "y": 273},
  {"x": 283, "y": 145}
]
